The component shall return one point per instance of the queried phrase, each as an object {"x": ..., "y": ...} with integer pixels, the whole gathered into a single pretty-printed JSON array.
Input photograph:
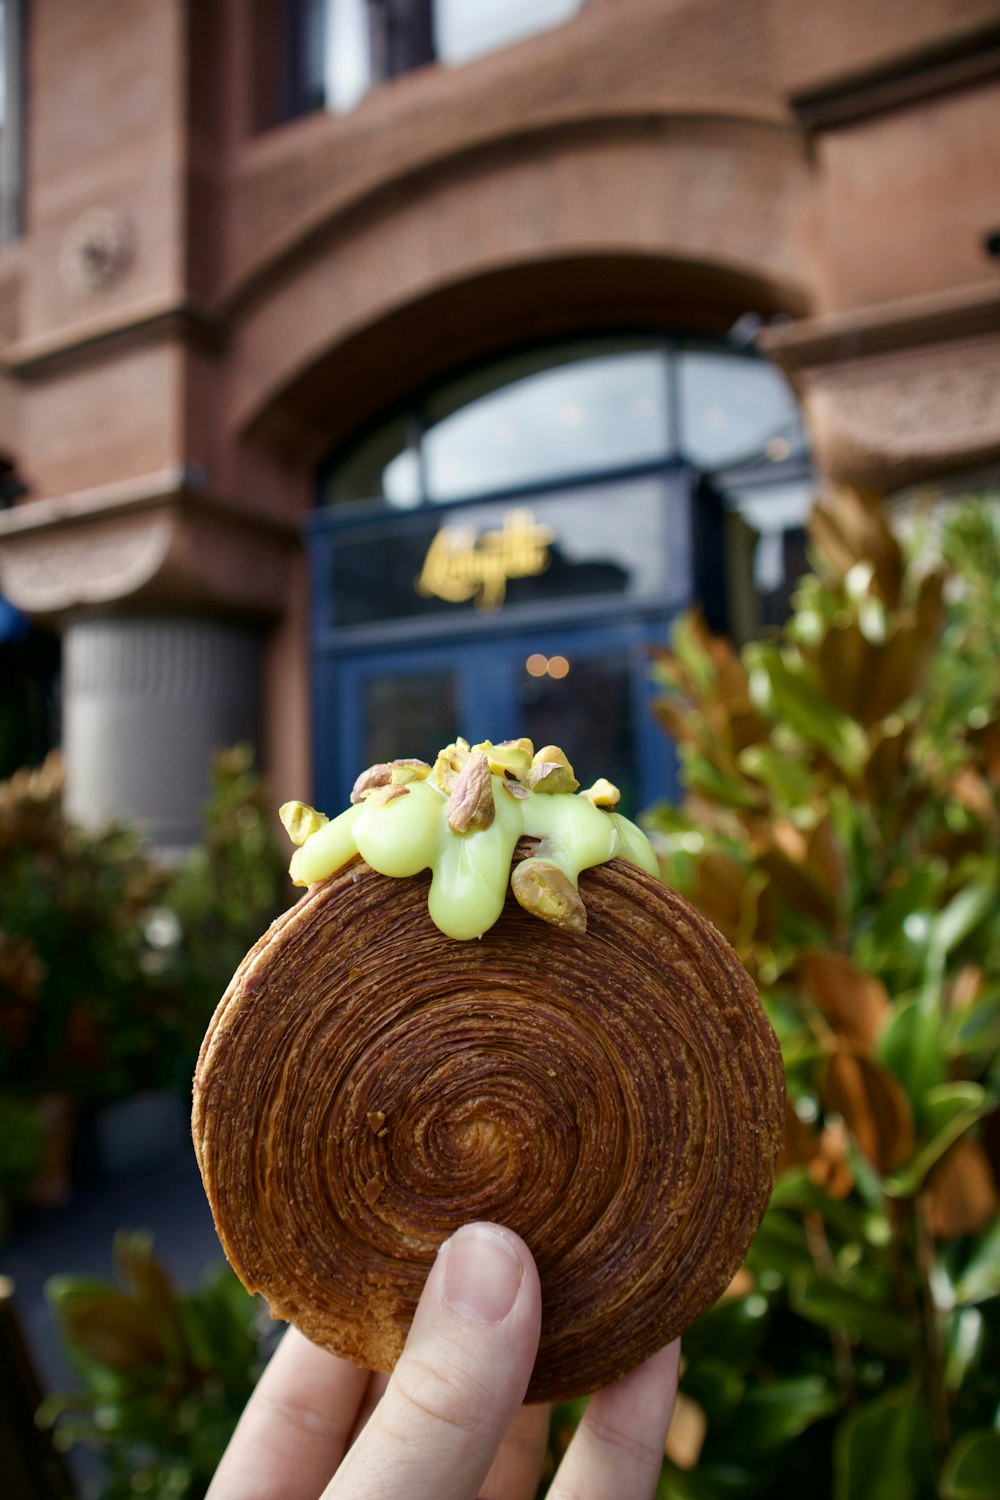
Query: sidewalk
[{"x": 167, "y": 1200}]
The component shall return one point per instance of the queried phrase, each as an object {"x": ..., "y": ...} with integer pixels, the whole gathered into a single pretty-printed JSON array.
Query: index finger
[{"x": 295, "y": 1428}]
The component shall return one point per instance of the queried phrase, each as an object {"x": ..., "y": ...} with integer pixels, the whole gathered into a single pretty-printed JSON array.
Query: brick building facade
[{"x": 202, "y": 299}]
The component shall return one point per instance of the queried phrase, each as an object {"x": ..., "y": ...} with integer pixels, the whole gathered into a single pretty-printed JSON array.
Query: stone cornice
[
  {"x": 957, "y": 62},
  {"x": 142, "y": 493},
  {"x": 160, "y": 541},
  {"x": 884, "y": 328},
  {"x": 898, "y": 393},
  {"x": 150, "y": 318}
]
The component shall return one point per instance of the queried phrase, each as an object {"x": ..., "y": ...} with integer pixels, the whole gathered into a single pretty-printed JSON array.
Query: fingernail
[{"x": 482, "y": 1274}]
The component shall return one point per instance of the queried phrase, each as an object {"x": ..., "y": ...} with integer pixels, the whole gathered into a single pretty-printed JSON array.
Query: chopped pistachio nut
[
  {"x": 472, "y": 806},
  {"x": 375, "y": 776},
  {"x": 408, "y": 770},
  {"x": 449, "y": 762},
  {"x": 511, "y": 758},
  {"x": 300, "y": 820},
  {"x": 603, "y": 793},
  {"x": 380, "y": 795},
  {"x": 550, "y": 776},
  {"x": 546, "y": 891}
]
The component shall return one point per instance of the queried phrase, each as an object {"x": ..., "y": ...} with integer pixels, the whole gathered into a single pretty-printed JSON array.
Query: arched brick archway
[{"x": 653, "y": 221}]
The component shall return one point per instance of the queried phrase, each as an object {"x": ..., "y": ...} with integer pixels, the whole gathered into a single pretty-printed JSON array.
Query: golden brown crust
[{"x": 367, "y": 1085}]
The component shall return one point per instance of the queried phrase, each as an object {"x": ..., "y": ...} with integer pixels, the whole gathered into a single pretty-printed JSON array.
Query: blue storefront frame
[{"x": 485, "y": 651}]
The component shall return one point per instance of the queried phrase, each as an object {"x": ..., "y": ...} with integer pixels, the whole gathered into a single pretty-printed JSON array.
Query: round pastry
[{"x": 410, "y": 1048}]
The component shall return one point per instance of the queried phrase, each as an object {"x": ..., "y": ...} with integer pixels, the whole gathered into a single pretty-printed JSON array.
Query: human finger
[
  {"x": 460, "y": 1378},
  {"x": 517, "y": 1468},
  {"x": 374, "y": 1392},
  {"x": 618, "y": 1447},
  {"x": 295, "y": 1428}
]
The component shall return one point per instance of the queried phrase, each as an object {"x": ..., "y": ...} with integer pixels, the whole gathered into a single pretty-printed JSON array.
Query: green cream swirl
[{"x": 470, "y": 871}]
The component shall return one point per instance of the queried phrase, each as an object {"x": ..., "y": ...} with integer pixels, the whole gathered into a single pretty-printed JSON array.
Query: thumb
[{"x": 460, "y": 1378}]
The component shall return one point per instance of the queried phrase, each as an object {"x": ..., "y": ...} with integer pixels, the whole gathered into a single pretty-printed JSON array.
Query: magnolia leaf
[
  {"x": 901, "y": 924},
  {"x": 948, "y": 1111},
  {"x": 717, "y": 1387},
  {"x": 980, "y": 1278},
  {"x": 972, "y": 1468},
  {"x": 899, "y": 668},
  {"x": 872, "y": 1105},
  {"x": 829, "y": 1303},
  {"x": 960, "y": 1195},
  {"x": 911, "y": 1046},
  {"x": 843, "y": 659},
  {"x": 780, "y": 1249},
  {"x": 881, "y": 1450},
  {"x": 774, "y": 1413},
  {"x": 795, "y": 1190},
  {"x": 798, "y": 699},
  {"x": 965, "y": 1346},
  {"x": 960, "y": 918},
  {"x": 107, "y": 1328},
  {"x": 974, "y": 1031},
  {"x": 855, "y": 1003}
]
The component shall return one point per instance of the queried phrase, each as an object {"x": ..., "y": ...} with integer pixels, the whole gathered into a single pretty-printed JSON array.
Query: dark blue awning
[{"x": 13, "y": 625}]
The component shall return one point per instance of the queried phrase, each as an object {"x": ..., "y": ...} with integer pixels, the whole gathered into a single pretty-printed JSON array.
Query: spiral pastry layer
[{"x": 368, "y": 1085}]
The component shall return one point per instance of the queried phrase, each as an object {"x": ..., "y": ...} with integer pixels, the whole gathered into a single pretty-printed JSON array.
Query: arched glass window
[{"x": 580, "y": 408}]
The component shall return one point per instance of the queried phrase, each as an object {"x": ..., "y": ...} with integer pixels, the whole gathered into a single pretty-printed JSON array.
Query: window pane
[
  {"x": 347, "y": 64},
  {"x": 625, "y": 540},
  {"x": 735, "y": 410},
  {"x": 418, "y": 710},
  {"x": 3, "y": 63},
  {"x": 383, "y": 466},
  {"x": 583, "y": 702},
  {"x": 592, "y": 411},
  {"x": 463, "y": 30}
]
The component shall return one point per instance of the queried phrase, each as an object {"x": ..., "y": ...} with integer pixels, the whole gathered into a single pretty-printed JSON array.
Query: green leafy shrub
[
  {"x": 79, "y": 1012},
  {"x": 164, "y": 1374},
  {"x": 841, "y": 826},
  {"x": 111, "y": 965},
  {"x": 227, "y": 891}
]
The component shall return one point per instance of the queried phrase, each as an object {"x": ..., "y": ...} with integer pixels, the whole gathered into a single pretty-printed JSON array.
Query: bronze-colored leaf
[
  {"x": 987, "y": 741},
  {"x": 898, "y": 669},
  {"x": 830, "y": 1168},
  {"x": 842, "y": 660},
  {"x": 856, "y": 1004},
  {"x": 686, "y": 1436},
  {"x": 113, "y": 1330},
  {"x": 963, "y": 988},
  {"x": 806, "y": 870},
  {"x": 972, "y": 791},
  {"x": 890, "y": 743},
  {"x": 849, "y": 527},
  {"x": 872, "y": 1105},
  {"x": 960, "y": 1196},
  {"x": 800, "y": 1141}
]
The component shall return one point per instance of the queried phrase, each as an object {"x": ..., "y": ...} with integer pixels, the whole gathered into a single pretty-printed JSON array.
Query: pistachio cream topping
[{"x": 461, "y": 819}]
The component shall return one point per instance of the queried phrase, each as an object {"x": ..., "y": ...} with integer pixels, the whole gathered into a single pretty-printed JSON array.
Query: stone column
[{"x": 146, "y": 701}]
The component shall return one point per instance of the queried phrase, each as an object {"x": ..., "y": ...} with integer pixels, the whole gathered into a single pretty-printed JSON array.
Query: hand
[{"x": 448, "y": 1424}]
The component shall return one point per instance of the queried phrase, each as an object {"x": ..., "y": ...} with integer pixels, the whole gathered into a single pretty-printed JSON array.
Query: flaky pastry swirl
[{"x": 367, "y": 1085}]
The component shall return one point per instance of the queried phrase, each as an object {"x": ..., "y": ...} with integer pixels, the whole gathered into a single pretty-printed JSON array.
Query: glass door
[{"x": 587, "y": 690}]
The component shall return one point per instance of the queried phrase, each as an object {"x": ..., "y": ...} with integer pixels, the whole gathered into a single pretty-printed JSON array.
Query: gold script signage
[{"x": 462, "y": 564}]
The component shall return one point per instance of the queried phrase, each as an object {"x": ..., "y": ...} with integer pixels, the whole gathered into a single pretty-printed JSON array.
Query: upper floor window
[
  {"x": 335, "y": 51},
  {"x": 10, "y": 119}
]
